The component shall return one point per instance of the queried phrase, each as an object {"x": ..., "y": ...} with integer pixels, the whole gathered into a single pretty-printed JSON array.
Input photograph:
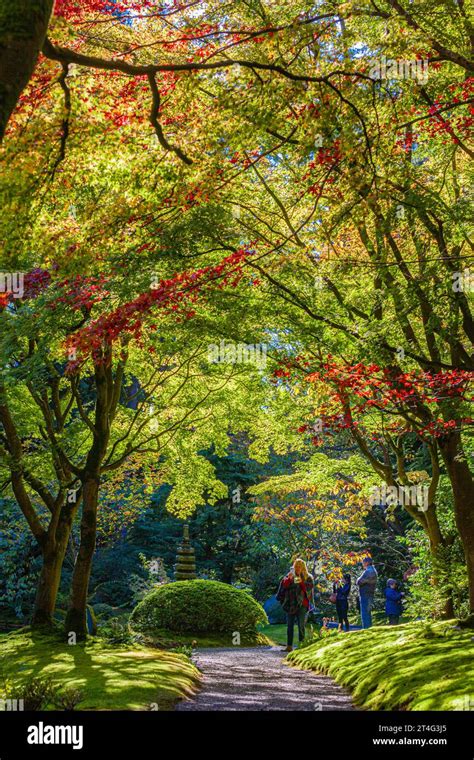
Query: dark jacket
[
  {"x": 367, "y": 581},
  {"x": 393, "y": 601},
  {"x": 293, "y": 596},
  {"x": 342, "y": 592}
]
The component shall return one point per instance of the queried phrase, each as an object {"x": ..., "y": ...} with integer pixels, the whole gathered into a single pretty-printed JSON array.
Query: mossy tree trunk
[
  {"x": 438, "y": 545},
  {"x": 427, "y": 519},
  {"x": 54, "y": 550},
  {"x": 108, "y": 389},
  {"x": 23, "y": 27},
  {"x": 76, "y": 619},
  {"x": 462, "y": 484},
  {"x": 52, "y": 538}
]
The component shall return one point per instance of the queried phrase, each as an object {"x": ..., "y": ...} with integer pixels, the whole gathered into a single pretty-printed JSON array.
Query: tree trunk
[
  {"x": 437, "y": 544},
  {"x": 228, "y": 574},
  {"x": 23, "y": 27},
  {"x": 108, "y": 395},
  {"x": 54, "y": 552},
  {"x": 76, "y": 616},
  {"x": 50, "y": 577},
  {"x": 463, "y": 493}
]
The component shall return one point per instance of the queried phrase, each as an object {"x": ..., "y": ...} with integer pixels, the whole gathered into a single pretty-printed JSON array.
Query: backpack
[{"x": 281, "y": 593}]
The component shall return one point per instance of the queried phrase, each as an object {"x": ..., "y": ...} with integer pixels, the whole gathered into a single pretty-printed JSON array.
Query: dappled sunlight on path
[{"x": 258, "y": 678}]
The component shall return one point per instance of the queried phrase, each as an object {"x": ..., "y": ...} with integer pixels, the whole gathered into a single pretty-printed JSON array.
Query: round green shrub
[{"x": 198, "y": 606}]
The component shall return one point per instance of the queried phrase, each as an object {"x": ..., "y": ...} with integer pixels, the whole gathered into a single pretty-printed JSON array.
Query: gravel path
[{"x": 257, "y": 678}]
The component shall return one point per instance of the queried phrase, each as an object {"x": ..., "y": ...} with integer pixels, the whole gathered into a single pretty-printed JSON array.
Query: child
[
  {"x": 325, "y": 628},
  {"x": 393, "y": 602}
]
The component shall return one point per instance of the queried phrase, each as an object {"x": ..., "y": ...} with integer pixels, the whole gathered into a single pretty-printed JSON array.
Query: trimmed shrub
[{"x": 198, "y": 606}]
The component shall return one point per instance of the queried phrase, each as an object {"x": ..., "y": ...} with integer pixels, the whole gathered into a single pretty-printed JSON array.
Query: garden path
[{"x": 258, "y": 678}]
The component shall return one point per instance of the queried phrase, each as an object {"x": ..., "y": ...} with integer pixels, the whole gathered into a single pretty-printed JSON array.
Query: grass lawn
[
  {"x": 111, "y": 677},
  {"x": 416, "y": 666},
  {"x": 276, "y": 633}
]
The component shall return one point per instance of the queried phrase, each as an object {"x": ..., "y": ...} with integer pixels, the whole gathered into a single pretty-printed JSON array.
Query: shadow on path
[{"x": 258, "y": 678}]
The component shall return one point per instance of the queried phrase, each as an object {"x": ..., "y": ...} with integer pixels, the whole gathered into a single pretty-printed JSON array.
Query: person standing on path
[
  {"x": 393, "y": 602},
  {"x": 295, "y": 595},
  {"x": 342, "y": 591},
  {"x": 366, "y": 584}
]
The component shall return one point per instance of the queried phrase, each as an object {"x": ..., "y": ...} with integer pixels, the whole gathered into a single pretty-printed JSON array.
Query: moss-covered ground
[
  {"x": 417, "y": 666},
  {"x": 111, "y": 677}
]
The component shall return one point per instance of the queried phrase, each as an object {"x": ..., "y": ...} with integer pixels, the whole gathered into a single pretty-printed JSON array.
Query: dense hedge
[{"x": 198, "y": 606}]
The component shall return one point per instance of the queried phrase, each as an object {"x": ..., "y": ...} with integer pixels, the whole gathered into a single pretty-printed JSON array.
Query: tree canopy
[{"x": 236, "y": 219}]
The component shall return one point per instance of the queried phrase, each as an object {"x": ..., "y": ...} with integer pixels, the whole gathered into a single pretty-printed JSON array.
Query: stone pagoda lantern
[{"x": 185, "y": 567}]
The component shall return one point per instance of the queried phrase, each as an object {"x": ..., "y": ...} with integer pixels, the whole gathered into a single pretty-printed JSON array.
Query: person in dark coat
[
  {"x": 342, "y": 591},
  {"x": 393, "y": 602}
]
